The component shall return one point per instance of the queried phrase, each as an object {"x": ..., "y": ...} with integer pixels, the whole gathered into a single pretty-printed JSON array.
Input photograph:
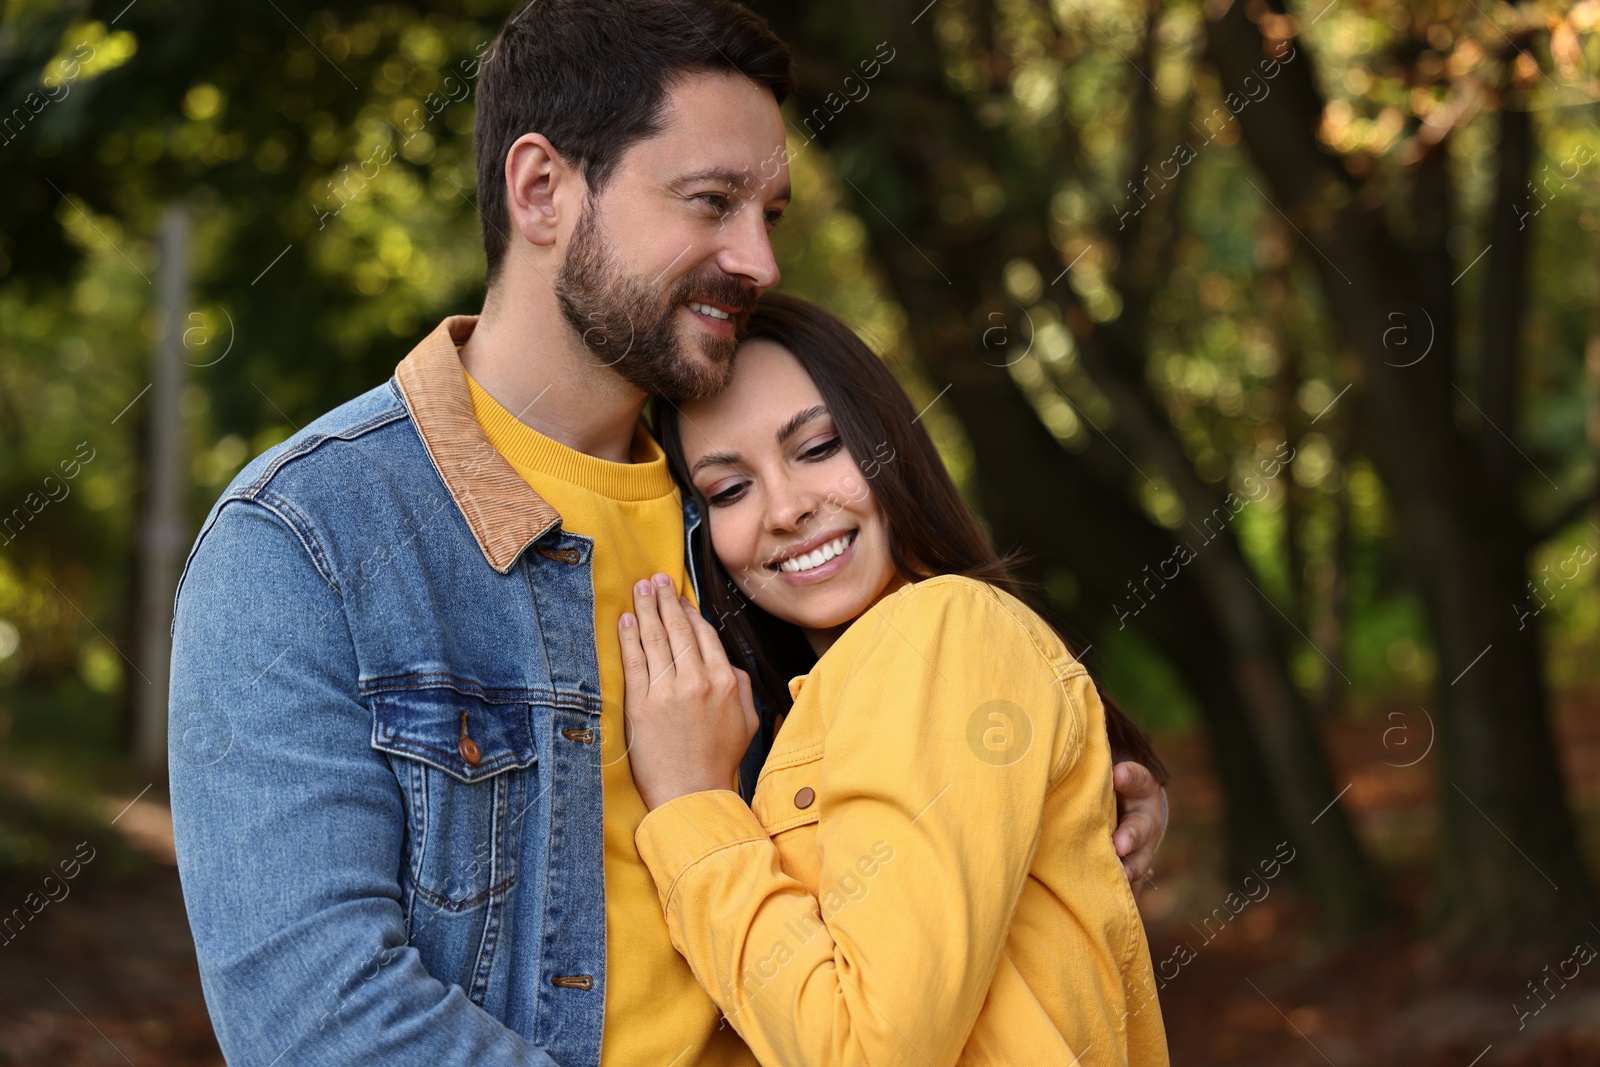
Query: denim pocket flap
[{"x": 467, "y": 737}]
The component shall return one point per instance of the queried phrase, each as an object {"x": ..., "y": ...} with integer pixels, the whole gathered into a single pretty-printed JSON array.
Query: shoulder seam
[
  {"x": 286, "y": 513},
  {"x": 313, "y": 552},
  {"x": 1061, "y": 675},
  {"x": 1074, "y": 748},
  {"x": 315, "y": 441}
]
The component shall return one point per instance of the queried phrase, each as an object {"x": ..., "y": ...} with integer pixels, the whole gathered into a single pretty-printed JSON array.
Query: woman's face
[{"x": 792, "y": 519}]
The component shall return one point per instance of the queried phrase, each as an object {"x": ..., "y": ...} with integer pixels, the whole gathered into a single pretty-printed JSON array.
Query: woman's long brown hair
[{"x": 931, "y": 529}]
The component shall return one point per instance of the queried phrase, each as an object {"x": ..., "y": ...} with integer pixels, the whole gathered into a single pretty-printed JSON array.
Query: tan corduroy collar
[{"x": 502, "y": 510}]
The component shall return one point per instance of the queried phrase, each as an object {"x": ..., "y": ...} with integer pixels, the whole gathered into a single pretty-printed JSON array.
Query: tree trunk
[
  {"x": 161, "y": 527},
  {"x": 1509, "y": 867}
]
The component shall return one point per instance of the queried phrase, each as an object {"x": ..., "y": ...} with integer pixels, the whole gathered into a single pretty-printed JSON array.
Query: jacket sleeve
[
  {"x": 289, "y": 825},
  {"x": 930, "y": 795}
]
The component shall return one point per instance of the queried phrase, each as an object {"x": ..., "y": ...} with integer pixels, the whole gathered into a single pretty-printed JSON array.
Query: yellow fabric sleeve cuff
[{"x": 693, "y": 827}]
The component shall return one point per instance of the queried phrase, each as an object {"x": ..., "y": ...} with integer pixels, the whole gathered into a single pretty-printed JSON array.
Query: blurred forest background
[{"x": 1270, "y": 333}]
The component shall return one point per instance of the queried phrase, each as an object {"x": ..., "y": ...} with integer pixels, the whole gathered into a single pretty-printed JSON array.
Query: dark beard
[{"x": 633, "y": 329}]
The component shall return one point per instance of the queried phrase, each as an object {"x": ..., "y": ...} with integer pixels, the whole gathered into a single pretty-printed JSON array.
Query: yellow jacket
[{"x": 926, "y": 874}]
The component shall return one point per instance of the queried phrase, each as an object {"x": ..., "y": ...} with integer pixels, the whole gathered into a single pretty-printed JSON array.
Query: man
[{"x": 402, "y": 801}]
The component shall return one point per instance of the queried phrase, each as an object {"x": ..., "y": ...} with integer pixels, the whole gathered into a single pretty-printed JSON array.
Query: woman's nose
[{"x": 790, "y": 508}]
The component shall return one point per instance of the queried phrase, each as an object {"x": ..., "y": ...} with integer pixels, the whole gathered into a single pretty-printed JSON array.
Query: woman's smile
[{"x": 817, "y": 559}]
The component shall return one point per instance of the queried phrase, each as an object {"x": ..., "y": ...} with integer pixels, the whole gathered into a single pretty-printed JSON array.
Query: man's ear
[{"x": 540, "y": 187}]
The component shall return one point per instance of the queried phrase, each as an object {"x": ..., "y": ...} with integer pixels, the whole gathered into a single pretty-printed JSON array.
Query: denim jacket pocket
[{"x": 466, "y": 767}]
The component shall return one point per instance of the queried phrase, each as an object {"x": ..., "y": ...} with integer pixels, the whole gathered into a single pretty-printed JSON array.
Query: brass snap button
[
  {"x": 804, "y": 798},
  {"x": 467, "y": 746}
]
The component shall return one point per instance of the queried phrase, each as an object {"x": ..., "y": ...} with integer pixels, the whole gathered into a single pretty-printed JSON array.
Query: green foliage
[{"x": 325, "y": 151}]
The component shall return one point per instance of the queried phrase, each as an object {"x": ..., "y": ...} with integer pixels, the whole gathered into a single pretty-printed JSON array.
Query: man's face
[{"x": 665, "y": 264}]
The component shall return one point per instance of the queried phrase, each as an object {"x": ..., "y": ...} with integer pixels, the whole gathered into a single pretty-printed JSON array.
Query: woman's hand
[{"x": 690, "y": 713}]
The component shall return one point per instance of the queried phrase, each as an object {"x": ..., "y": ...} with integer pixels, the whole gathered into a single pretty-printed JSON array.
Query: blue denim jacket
[{"x": 384, "y": 742}]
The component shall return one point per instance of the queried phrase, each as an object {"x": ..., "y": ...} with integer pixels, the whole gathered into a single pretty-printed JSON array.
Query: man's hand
[{"x": 1141, "y": 820}]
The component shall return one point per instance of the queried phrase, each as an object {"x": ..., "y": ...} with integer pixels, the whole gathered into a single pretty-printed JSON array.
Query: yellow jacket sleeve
[{"x": 942, "y": 739}]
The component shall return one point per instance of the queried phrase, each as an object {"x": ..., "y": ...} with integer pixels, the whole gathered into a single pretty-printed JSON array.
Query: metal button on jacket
[
  {"x": 467, "y": 746},
  {"x": 804, "y": 798}
]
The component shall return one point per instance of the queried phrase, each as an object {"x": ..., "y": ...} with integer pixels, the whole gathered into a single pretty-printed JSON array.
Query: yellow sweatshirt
[
  {"x": 926, "y": 876},
  {"x": 655, "y": 1013}
]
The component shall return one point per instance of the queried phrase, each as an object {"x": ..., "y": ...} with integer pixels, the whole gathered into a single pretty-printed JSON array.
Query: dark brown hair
[
  {"x": 591, "y": 75},
  {"x": 932, "y": 531}
]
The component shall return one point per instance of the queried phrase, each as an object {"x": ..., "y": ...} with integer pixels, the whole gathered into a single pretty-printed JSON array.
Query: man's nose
[{"x": 747, "y": 248}]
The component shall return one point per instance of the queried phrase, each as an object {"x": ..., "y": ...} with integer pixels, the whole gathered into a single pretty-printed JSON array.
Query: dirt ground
[{"x": 106, "y": 975}]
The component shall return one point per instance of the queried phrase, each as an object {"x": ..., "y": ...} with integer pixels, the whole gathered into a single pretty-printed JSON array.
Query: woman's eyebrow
[
  {"x": 715, "y": 459},
  {"x": 786, "y": 431},
  {"x": 792, "y": 427}
]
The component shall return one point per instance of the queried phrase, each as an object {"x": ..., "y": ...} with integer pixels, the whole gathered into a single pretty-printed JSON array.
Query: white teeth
[
  {"x": 817, "y": 556},
  {"x": 707, "y": 309}
]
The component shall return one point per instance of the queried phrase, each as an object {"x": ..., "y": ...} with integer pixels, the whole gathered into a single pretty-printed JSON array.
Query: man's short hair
[{"x": 592, "y": 76}]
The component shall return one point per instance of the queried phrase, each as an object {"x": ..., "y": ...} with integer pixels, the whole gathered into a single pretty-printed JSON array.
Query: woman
[{"x": 926, "y": 873}]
